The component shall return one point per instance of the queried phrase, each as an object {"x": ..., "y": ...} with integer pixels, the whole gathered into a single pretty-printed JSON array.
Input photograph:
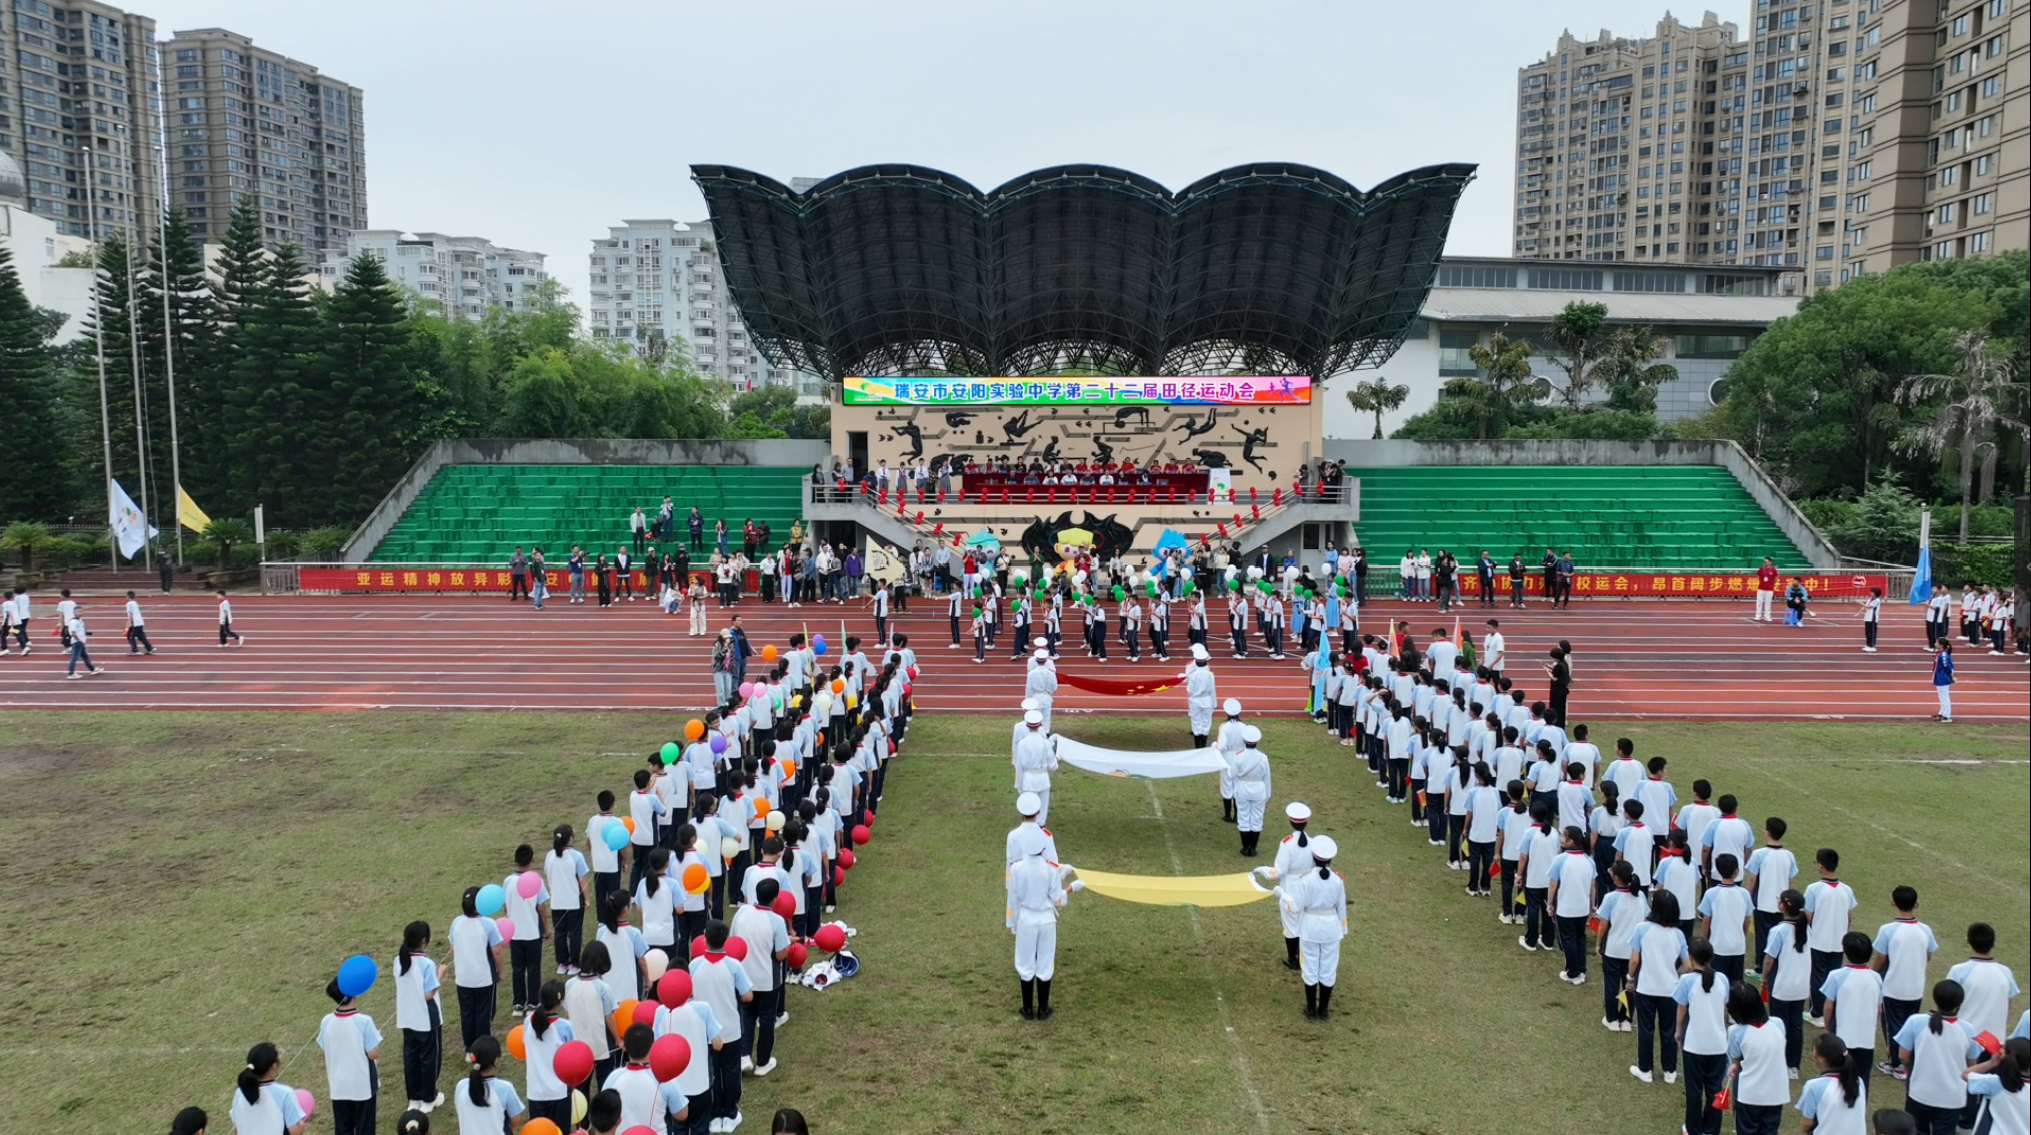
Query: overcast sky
[{"x": 537, "y": 125}]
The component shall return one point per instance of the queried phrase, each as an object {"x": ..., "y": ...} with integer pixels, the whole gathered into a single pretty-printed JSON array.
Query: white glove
[
  {"x": 1266, "y": 871},
  {"x": 1077, "y": 886}
]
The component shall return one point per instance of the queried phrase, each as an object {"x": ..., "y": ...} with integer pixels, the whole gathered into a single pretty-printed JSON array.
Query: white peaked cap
[
  {"x": 1250, "y": 734},
  {"x": 1034, "y": 717},
  {"x": 1294, "y": 811},
  {"x": 1028, "y": 704},
  {"x": 1040, "y": 642},
  {"x": 1232, "y": 706},
  {"x": 1029, "y": 804},
  {"x": 1199, "y": 651},
  {"x": 1041, "y": 654},
  {"x": 1031, "y": 842},
  {"x": 1323, "y": 848}
]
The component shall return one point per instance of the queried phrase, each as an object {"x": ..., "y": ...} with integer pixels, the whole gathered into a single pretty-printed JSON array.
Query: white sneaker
[
  {"x": 1639, "y": 1073},
  {"x": 1791, "y": 1073},
  {"x": 765, "y": 1069},
  {"x": 435, "y": 1104},
  {"x": 1671, "y": 1077},
  {"x": 781, "y": 1020},
  {"x": 747, "y": 1064},
  {"x": 1579, "y": 979},
  {"x": 1524, "y": 941},
  {"x": 716, "y": 1125},
  {"x": 734, "y": 1123},
  {"x": 73, "y": 677},
  {"x": 1609, "y": 1025},
  {"x": 1872, "y": 650}
]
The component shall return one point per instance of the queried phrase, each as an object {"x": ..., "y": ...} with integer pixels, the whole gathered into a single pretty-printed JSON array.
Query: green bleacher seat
[
  {"x": 479, "y": 513},
  {"x": 1651, "y": 516}
]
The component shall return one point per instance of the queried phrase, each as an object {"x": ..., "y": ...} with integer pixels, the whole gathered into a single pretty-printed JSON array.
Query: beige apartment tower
[
  {"x": 246, "y": 121},
  {"x": 1838, "y": 137}
]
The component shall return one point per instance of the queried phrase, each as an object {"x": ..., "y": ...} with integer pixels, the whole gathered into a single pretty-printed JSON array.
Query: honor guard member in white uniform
[
  {"x": 1022, "y": 728},
  {"x": 1027, "y": 806},
  {"x": 1035, "y": 758},
  {"x": 1199, "y": 696},
  {"x": 1293, "y": 858},
  {"x": 1228, "y": 741},
  {"x": 1251, "y": 789},
  {"x": 1319, "y": 899},
  {"x": 1036, "y": 892},
  {"x": 1042, "y": 684}
]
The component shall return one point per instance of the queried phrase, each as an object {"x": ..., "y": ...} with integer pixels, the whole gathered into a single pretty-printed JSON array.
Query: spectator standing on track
[
  {"x": 538, "y": 585},
  {"x": 226, "y": 630},
  {"x": 603, "y": 582},
  {"x": 167, "y": 570},
  {"x": 853, "y": 566},
  {"x": 1566, "y": 575},
  {"x": 1550, "y": 564},
  {"x": 748, "y": 535},
  {"x": 1485, "y": 568},
  {"x": 518, "y": 575},
  {"x": 576, "y": 565},
  {"x": 137, "y": 630},
  {"x": 1516, "y": 577},
  {"x": 719, "y": 536},
  {"x": 7, "y": 626},
  {"x": 1561, "y": 674},
  {"x": 624, "y": 575},
  {"x": 1766, "y": 589}
]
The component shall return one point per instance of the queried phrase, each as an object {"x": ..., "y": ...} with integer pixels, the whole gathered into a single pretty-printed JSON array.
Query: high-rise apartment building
[
  {"x": 76, "y": 112},
  {"x": 1841, "y": 136},
  {"x": 657, "y": 282},
  {"x": 246, "y": 121},
  {"x": 460, "y": 277}
]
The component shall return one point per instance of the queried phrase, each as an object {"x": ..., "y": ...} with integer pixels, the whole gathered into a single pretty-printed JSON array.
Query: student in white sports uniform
[
  {"x": 352, "y": 1047},
  {"x": 1318, "y": 897},
  {"x": 1036, "y": 893},
  {"x": 262, "y": 1105},
  {"x": 486, "y": 1103},
  {"x": 419, "y": 1017},
  {"x": 1756, "y": 1063},
  {"x": 226, "y": 631}
]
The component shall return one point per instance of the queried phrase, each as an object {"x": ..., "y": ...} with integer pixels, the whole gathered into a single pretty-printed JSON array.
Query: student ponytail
[
  {"x": 261, "y": 1060},
  {"x": 1792, "y": 905},
  {"x": 560, "y": 840},
  {"x": 415, "y": 936},
  {"x": 548, "y": 999},
  {"x": 1303, "y": 839},
  {"x": 610, "y": 911},
  {"x": 1842, "y": 1060},
  {"x": 1701, "y": 952},
  {"x": 2010, "y": 1066},
  {"x": 1947, "y": 997},
  {"x": 470, "y": 902},
  {"x": 1326, "y": 870},
  {"x": 485, "y": 1052},
  {"x": 659, "y": 862}
]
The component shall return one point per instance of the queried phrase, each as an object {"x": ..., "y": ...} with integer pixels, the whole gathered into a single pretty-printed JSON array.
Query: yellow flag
[
  {"x": 188, "y": 513},
  {"x": 1174, "y": 890}
]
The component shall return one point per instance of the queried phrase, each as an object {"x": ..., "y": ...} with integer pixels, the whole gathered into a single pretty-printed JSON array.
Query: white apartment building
[
  {"x": 657, "y": 283},
  {"x": 39, "y": 245},
  {"x": 459, "y": 277}
]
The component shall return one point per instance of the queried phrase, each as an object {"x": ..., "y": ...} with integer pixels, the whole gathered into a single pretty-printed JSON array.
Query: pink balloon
[
  {"x": 306, "y": 1101},
  {"x": 747, "y": 689},
  {"x": 506, "y": 926},
  {"x": 528, "y": 884}
]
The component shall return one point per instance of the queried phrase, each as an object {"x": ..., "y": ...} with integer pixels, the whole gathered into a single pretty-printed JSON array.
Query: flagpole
[
  {"x": 140, "y": 407},
  {"x": 168, "y": 324},
  {"x": 99, "y": 351}
]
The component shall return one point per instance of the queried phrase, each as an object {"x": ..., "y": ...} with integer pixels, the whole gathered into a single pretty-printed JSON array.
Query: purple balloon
[{"x": 719, "y": 742}]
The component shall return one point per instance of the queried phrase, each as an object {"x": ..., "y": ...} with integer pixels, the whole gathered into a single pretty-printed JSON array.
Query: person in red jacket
[{"x": 1766, "y": 589}]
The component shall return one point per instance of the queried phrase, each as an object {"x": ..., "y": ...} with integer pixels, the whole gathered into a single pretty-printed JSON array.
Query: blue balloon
[
  {"x": 357, "y": 975},
  {"x": 492, "y": 898},
  {"x": 819, "y": 647},
  {"x": 615, "y": 835}
]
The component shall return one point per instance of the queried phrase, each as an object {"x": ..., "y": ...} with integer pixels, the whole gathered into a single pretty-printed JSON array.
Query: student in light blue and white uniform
[
  {"x": 564, "y": 872},
  {"x": 1787, "y": 975},
  {"x": 261, "y": 1104},
  {"x": 546, "y": 1031},
  {"x": 419, "y": 1016},
  {"x": 1702, "y": 1023},
  {"x": 1836, "y": 1102},
  {"x": 1999, "y": 1097},
  {"x": 1756, "y": 1046},
  {"x": 1854, "y": 1000},
  {"x": 1621, "y": 912},
  {"x": 352, "y": 1048},
  {"x": 1725, "y": 909},
  {"x": 1655, "y": 950},
  {"x": 1937, "y": 1048},
  {"x": 1902, "y": 949},
  {"x": 625, "y": 947},
  {"x": 1571, "y": 898},
  {"x": 475, "y": 967},
  {"x": 485, "y": 1102}
]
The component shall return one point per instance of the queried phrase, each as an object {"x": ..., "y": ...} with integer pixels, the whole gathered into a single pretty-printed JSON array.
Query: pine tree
[
  {"x": 181, "y": 294},
  {"x": 109, "y": 331},
  {"x": 373, "y": 409},
  {"x": 271, "y": 396},
  {"x": 34, "y": 483},
  {"x": 218, "y": 407}
]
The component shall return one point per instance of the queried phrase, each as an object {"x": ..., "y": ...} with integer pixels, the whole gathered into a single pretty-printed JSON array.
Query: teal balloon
[
  {"x": 492, "y": 898},
  {"x": 615, "y": 836}
]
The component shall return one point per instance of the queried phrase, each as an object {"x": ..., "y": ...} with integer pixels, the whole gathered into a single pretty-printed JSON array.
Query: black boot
[
  {"x": 1043, "y": 1000},
  {"x": 1029, "y": 1006},
  {"x": 1254, "y": 840},
  {"x": 1290, "y": 949},
  {"x": 1311, "y": 1000},
  {"x": 1325, "y": 999}
]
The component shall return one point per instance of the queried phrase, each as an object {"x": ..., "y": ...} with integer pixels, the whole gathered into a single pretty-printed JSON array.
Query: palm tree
[
  {"x": 28, "y": 538},
  {"x": 1983, "y": 398},
  {"x": 226, "y": 533},
  {"x": 1378, "y": 397},
  {"x": 1506, "y": 387}
]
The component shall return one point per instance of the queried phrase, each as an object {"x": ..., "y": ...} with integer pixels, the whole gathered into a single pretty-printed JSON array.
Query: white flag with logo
[{"x": 130, "y": 528}]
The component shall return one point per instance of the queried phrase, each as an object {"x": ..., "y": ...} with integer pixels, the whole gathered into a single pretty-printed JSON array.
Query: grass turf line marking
[{"x": 1241, "y": 1065}]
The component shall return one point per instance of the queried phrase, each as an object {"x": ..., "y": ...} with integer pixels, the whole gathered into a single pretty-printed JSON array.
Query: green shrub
[
  {"x": 321, "y": 544},
  {"x": 66, "y": 552},
  {"x": 283, "y": 545},
  {"x": 1991, "y": 564}
]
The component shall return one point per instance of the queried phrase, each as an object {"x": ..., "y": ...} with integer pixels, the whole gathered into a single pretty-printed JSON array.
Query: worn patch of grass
[{"x": 182, "y": 885}]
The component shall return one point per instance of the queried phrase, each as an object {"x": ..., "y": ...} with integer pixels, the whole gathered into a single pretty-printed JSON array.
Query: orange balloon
[
  {"x": 540, "y": 1126},
  {"x": 694, "y": 729},
  {"x": 789, "y": 770},
  {"x": 517, "y": 1047},
  {"x": 761, "y": 806},
  {"x": 838, "y": 685},
  {"x": 628, "y": 822},
  {"x": 624, "y": 1015},
  {"x": 696, "y": 878},
  {"x": 768, "y": 654}
]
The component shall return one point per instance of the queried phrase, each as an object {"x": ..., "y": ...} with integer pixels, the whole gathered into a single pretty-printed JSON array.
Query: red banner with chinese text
[
  {"x": 1686, "y": 585},
  {"x": 368, "y": 577}
]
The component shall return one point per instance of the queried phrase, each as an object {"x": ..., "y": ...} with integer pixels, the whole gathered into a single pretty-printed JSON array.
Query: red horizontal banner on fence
[
  {"x": 370, "y": 578},
  {"x": 1687, "y": 585}
]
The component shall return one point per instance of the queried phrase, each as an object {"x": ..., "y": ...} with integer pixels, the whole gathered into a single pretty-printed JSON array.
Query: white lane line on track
[{"x": 1242, "y": 1067}]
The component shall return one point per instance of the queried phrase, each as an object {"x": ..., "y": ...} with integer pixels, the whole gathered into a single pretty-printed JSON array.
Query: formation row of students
[
  {"x": 17, "y": 611},
  {"x": 704, "y": 893},
  {"x": 1710, "y": 954}
]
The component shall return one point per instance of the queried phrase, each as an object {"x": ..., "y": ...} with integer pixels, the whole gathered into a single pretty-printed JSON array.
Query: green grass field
[{"x": 182, "y": 885}]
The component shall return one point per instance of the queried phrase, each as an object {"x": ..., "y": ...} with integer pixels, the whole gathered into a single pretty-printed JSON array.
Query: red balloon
[
  {"x": 669, "y": 1056},
  {"x": 698, "y": 946},
  {"x": 861, "y": 835},
  {"x": 674, "y": 988},
  {"x": 640, "y": 1129},
  {"x": 868, "y": 821},
  {"x": 797, "y": 955},
  {"x": 846, "y": 858},
  {"x": 645, "y": 1013},
  {"x": 573, "y": 1062},
  {"x": 737, "y": 948},
  {"x": 785, "y": 905},
  {"x": 838, "y": 877},
  {"x": 831, "y": 938}
]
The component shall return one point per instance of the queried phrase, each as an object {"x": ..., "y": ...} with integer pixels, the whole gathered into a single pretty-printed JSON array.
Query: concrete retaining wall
[{"x": 567, "y": 451}]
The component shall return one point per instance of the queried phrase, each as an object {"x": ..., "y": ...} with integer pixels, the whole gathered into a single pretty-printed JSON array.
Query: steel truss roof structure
[{"x": 1269, "y": 268}]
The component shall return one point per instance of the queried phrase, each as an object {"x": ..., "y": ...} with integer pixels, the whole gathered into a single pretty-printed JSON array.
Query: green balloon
[
  {"x": 1188, "y": 588},
  {"x": 671, "y": 752},
  {"x": 1263, "y": 587},
  {"x": 1153, "y": 589},
  {"x": 1118, "y": 593},
  {"x": 1233, "y": 585}
]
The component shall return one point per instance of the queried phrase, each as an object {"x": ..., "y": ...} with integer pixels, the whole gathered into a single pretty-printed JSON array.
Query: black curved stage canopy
[{"x": 1270, "y": 268}]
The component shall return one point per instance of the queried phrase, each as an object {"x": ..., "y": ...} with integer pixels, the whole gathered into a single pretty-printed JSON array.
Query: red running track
[{"x": 1632, "y": 658}]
